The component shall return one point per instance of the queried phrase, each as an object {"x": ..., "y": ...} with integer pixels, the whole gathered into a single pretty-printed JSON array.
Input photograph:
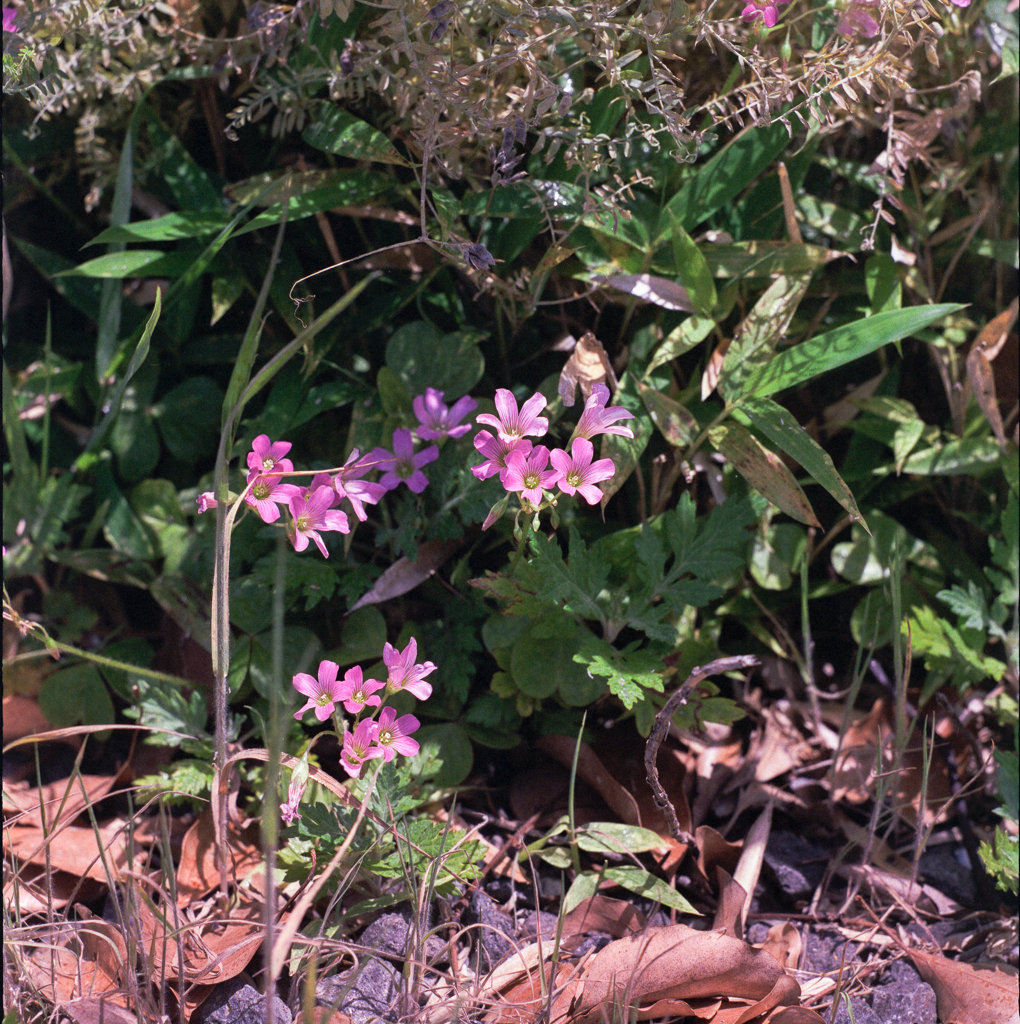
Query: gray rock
[
  {"x": 904, "y": 997},
  {"x": 862, "y": 1013},
  {"x": 494, "y": 930},
  {"x": 238, "y": 1001},
  {"x": 373, "y": 991},
  {"x": 948, "y": 868},
  {"x": 533, "y": 921},
  {"x": 797, "y": 864}
]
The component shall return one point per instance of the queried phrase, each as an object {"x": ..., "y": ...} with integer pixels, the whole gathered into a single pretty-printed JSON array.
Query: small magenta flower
[
  {"x": 322, "y": 693},
  {"x": 359, "y": 692},
  {"x": 394, "y": 735},
  {"x": 266, "y": 456},
  {"x": 512, "y": 425},
  {"x": 495, "y": 450},
  {"x": 597, "y": 419},
  {"x": 295, "y": 791},
  {"x": 767, "y": 10},
  {"x": 404, "y": 674},
  {"x": 359, "y": 747},
  {"x": 578, "y": 473},
  {"x": 313, "y": 514},
  {"x": 349, "y": 485},
  {"x": 402, "y": 466},
  {"x": 439, "y": 420},
  {"x": 10, "y": 19},
  {"x": 266, "y": 492},
  {"x": 206, "y": 501},
  {"x": 527, "y": 473},
  {"x": 857, "y": 20}
]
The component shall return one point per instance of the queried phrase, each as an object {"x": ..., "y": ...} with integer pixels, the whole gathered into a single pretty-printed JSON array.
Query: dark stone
[
  {"x": 494, "y": 929},
  {"x": 862, "y": 1013},
  {"x": 947, "y": 867},
  {"x": 824, "y": 952},
  {"x": 533, "y": 920},
  {"x": 238, "y": 1001},
  {"x": 797, "y": 864},
  {"x": 904, "y": 997},
  {"x": 374, "y": 991},
  {"x": 389, "y": 934}
]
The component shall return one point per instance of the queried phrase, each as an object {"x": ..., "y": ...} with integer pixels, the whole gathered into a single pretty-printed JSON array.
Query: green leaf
[
  {"x": 576, "y": 582},
  {"x": 337, "y": 131},
  {"x": 756, "y": 258},
  {"x": 529, "y": 199},
  {"x": 959, "y": 457},
  {"x": 783, "y": 430},
  {"x": 445, "y": 757},
  {"x": 648, "y": 886},
  {"x": 776, "y": 556},
  {"x": 584, "y": 886},
  {"x": 882, "y": 279},
  {"x": 675, "y": 423},
  {"x": 693, "y": 331},
  {"x": 840, "y": 346},
  {"x": 132, "y": 263},
  {"x": 169, "y": 228},
  {"x": 541, "y": 666},
  {"x": 616, "y": 837},
  {"x": 76, "y": 694},
  {"x": 192, "y": 186},
  {"x": 629, "y": 672},
  {"x": 423, "y": 357},
  {"x": 164, "y": 709},
  {"x": 692, "y": 269},
  {"x": 188, "y": 418}
]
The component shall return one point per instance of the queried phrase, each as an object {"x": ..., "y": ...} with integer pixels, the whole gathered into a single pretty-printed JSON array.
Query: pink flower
[
  {"x": 266, "y": 456},
  {"x": 206, "y": 501},
  {"x": 438, "y": 420},
  {"x": 394, "y": 737},
  {"x": 578, "y": 473},
  {"x": 858, "y": 20},
  {"x": 404, "y": 674},
  {"x": 359, "y": 747},
  {"x": 266, "y": 492},
  {"x": 527, "y": 473},
  {"x": 495, "y": 451},
  {"x": 322, "y": 693},
  {"x": 295, "y": 791},
  {"x": 956, "y": 3},
  {"x": 10, "y": 22},
  {"x": 358, "y": 692},
  {"x": 402, "y": 465},
  {"x": 512, "y": 425},
  {"x": 314, "y": 514},
  {"x": 349, "y": 486},
  {"x": 767, "y": 10},
  {"x": 597, "y": 419}
]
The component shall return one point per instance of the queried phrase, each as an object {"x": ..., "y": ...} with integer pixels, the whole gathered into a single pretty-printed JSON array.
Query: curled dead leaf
[
  {"x": 587, "y": 366},
  {"x": 982, "y": 993}
]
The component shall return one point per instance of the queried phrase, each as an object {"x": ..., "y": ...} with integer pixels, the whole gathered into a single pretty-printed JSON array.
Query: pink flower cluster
[
  {"x": 369, "y": 738},
  {"x": 522, "y": 466}
]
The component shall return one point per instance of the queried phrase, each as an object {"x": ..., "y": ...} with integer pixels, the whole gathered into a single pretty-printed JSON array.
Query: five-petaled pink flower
[
  {"x": 266, "y": 491},
  {"x": 359, "y": 747},
  {"x": 597, "y": 419},
  {"x": 394, "y": 734},
  {"x": 578, "y": 473},
  {"x": 349, "y": 485},
  {"x": 322, "y": 693},
  {"x": 266, "y": 456},
  {"x": 496, "y": 450},
  {"x": 358, "y": 692},
  {"x": 527, "y": 473},
  {"x": 857, "y": 20},
  {"x": 402, "y": 465},
  {"x": 512, "y": 425},
  {"x": 313, "y": 514},
  {"x": 404, "y": 674},
  {"x": 767, "y": 10},
  {"x": 439, "y": 420}
]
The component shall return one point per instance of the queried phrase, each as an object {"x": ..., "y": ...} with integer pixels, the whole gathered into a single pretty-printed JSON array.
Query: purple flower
[
  {"x": 527, "y": 473},
  {"x": 349, "y": 486},
  {"x": 439, "y": 420},
  {"x": 10, "y": 19},
  {"x": 359, "y": 747},
  {"x": 402, "y": 465},
  {"x": 295, "y": 791},
  {"x": 857, "y": 20},
  {"x": 404, "y": 673},
  {"x": 266, "y": 456},
  {"x": 206, "y": 501},
  {"x": 578, "y": 473},
  {"x": 512, "y": 425},
  {"x": 359, "y": 692},
  {"x": 394, "y": 737},
  {"x": 322, "y": 693},
  {"x": 597, "y": 419},
  {"x": 495, "y": 451},
  {"x": 767, "y": 10},
  {"x": 266, "y": 492},
  {"x": 314, "y": 514}
]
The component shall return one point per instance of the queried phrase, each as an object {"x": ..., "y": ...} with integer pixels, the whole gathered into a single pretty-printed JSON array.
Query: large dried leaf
[
  {"x": 983, "y": 993},
  {"x": 75, "y": 849},
  {"x": 979, "y": 367},
  {"x": 60, "y": 801},
  {"x": 587, "y": 366},
  {"x": 197, "y": 870},
  {"x": 404, "y": 575}
]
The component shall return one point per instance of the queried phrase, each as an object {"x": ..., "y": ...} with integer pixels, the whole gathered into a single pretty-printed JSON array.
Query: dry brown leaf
[
  {"x": 60, "y": 801},
  {"x": 22, "y": 717},
  {"x": 783, "y": 941},
  {"x": 729, "y": 912},
  {"x": 714, "y": 849},
  {"x": 587, "y": 366},
  {"x": 983, "y": 993},
  {"x": 591, "y": 769},
  {"x": 197, "y": 871},
  {"x": 751, "y": 857},
  {"x": 600, "y": 913},
  {"x": 99, "y": 1010},
  {"x": 796, "y": 1015},
  {"x": 979, "y": 368},
  {"x": 404, "y": 575},
  {"x": 73, "y": 848},
  {"x": 781, "y": 749}
]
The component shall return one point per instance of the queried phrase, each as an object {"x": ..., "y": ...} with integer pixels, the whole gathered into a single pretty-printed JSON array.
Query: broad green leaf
[
  {"x": 691, "y": 332},
  {"x": 630, "y": 672},
  {"x": 157, "y": 505},
  {"x": 337, "y": 131},
  {"x": 191, "y": 185},
  {"x": 76, "y": 694},
  {"x": 675, "y": 423},
  {"x": 867, "y": 558},
  {"x": 584, "y": 886},
  {"x": 352, "y": 188},
  {"x": 616, "y": 837},
  {"x": 759, "y": 333},
  {"x": 723, "y": 178},
  {"x": 842, "y": 345},
  {"x": 835, "y": 221},
  {"x": 776, "y": 556},
  {"x": 132, "y": 263},
  {"x": 905, "y": 441},
  {"x": 540, "y": 667},
  {"x": 188, "y": 418},
  {"x": 954, "y": 458},
  {"x": 169, "y": 228},
  {"x": 363, "y": 637},
  {"x": 763, "y": 470},
  {"x": 447, "y": 208},
  {"x": 300, "y": 647},
  {"x": 766, "y": 259},
  {"x": 122, "y": 528},
  {"x": 783, "y": 430},
  {"x": 526, "y": 199},
  {"x": 648, "y": 886},
  {"x": 445, "y": 757},
  {"x": 882, "y": 279},
  {"x": 693, "y": 269},
  {"x": 424, "y": 357}
]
